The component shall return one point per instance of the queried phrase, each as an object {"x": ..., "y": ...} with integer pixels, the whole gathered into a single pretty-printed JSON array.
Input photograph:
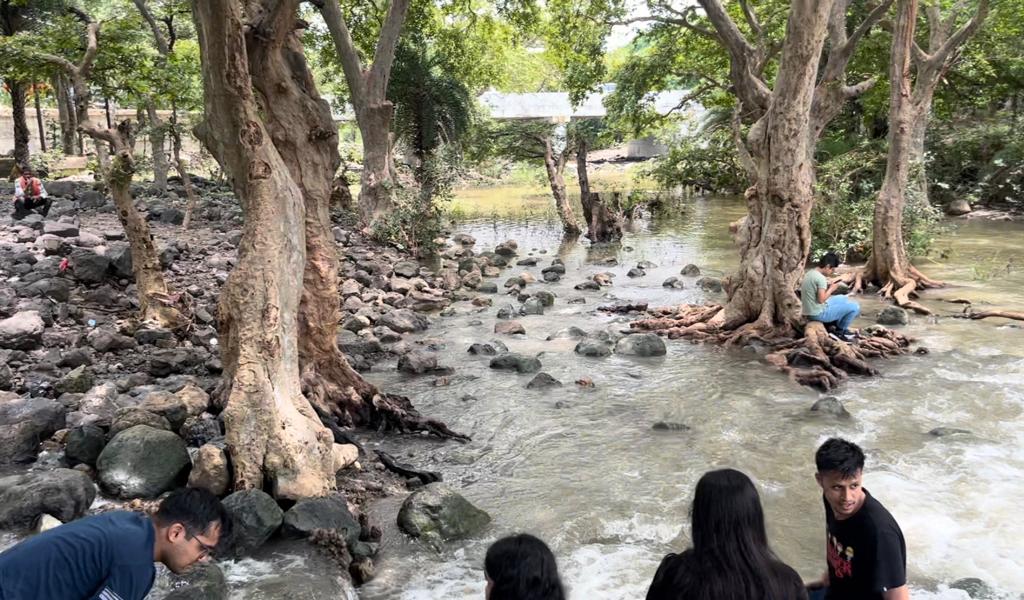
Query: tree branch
[
  {"x": 384, "y": 54},
  {"x": 938, "y": 57},
  {"x": 158, "y": 36},
  {"x": 870, "y": 21},
  {"x": 346, "y": 49},
  {"x": 853, "y": 91},
  {"x": 752, "y": 91}
]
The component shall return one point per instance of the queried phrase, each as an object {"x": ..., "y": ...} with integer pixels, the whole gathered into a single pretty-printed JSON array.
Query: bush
[
  {"x": 978, "y": 161},
  {"x": 708, "y": 162}
]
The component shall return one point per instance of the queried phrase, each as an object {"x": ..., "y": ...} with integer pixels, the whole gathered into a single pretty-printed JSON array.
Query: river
[{"x": 582, "y": 469}]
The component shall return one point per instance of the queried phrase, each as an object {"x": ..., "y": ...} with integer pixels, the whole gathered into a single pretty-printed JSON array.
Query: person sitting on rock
[
  {"x": 522, "y": 567},
  {"x": 29, "y": 194},
  {"x": 730, "y": 558},
  {"x": 820, "y": 301},
  {"x": 110, "y": 556}
]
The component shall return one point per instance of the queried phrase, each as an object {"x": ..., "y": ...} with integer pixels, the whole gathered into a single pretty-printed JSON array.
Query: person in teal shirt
[{"x": 818, "y": 302}]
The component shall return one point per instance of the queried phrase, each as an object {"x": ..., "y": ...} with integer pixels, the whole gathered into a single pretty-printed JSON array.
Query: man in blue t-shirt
[{"x": 110, "y": 556}]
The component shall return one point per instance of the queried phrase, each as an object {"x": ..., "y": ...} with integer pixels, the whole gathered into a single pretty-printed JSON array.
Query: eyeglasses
[{"x": 207, "y": 550}]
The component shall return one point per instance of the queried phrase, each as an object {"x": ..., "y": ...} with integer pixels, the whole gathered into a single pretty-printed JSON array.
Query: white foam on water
[{"x": 603, "y": 572}]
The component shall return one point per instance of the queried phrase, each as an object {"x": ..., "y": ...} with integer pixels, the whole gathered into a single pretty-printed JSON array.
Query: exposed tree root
[
  {"x": 968, "y": 312},
  {"x": 899, "y": 287},
  {"x": 814, "y": 360}
]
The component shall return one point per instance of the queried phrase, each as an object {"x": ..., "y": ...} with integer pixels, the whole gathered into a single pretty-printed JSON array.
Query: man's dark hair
[
  {"x": 829, "y": 259},
  {"x": 196, "y": 509},
  {"x": 839, "y": 455}
]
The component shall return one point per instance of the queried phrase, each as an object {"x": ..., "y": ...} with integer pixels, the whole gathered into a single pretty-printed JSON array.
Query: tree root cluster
[
  {"x": 900, "y": 287},
  {"x": 813, "y": 359}
]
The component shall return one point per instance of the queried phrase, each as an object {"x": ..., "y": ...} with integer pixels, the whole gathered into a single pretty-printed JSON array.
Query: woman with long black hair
[
  {"x": 730, "y": 558},
  {"x": 521, "y": 567}
]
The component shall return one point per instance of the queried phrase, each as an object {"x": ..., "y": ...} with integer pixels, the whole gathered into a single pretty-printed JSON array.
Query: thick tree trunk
[
  {"x": 66, "y": 116},
  {"x": 39, "y": 118},
  {"x": 21, "y": 151},
  {"x": 776, "y": 235},
  {"x": 156, "y": 140},
  {"x": 555, "y": 168},
  {"x": 377, "y": 185},
  {"x": 273, "y": 434},
  {"x": 918, "y": 184}
]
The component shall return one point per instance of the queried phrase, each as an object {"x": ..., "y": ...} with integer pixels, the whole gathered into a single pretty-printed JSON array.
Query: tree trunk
[
  {"x": 555, "y": 168},
  {"x": 918, "y": 184},
  {"x": 156, "y": 140},
  {"x": 604, "y": 219},
  {"x": 377, "y": 186},
  {"x": 66, "y": 116},
  {"x": 182, "y": 168},
  {"x": 889, "y": 264},
  {"x": 21, "y": 151},
  {"x": 39, "y": 118},
  {"x": 775, "y": 237},
  {"x": 274, "y": 436}
]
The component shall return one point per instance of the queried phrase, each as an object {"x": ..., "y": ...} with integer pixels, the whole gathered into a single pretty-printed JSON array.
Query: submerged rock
[
  {"x": 690, "y": 270},
  {"x": 437, "y": 513},
  {"x": 976, "y": 588},
  {"x": 948, "y": 431},
  {"x": 641, "y": 344},
  {"x": 893, "y": 315},
  {"x": 710, "y": 284},
  {"x": 594, "y": 348},
  {"x": 509, "y": 327},
  {"x": 204, "y": 581},
  {"x": 329, "y": 513},
  {"x": 830, "y": 405},
  {"x": 669, "y": 426},
  {"x": 517, "y": 362},
  {"x": 543, "y": 381},
  {"x": 674, "y": 283}
]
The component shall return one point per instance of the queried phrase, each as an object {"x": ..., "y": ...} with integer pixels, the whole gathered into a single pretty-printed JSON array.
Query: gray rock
[
  {"x": 172, "y": 216},
  {"x": 542, "y": 381},
  {"x": 64, "y": 189},
  {"x": 204, "y": 581},
  {"x": 84, "y": 445},
  {"x": 153, "y": 335},
  {"x": 75, "y": 357},
  {"x": 976, "y": 588},
  {"x": 436, "y": 513},
  {"x": 958, "y": 208},
  {"x": 551, "y": 276},
  {"x": 142, "y": 462},
  {"x": 210, "y": 470},
  {"x": 417, "y": 362},
  {"x": 641, "y": 344},
  {"x": 23, "y": 331},
  {"x": 532, "y": 306},
  {"x": 487, "y": 287},
  {"x": 893, "y": 315},
  {"x": 594, "y": 348},
  {"x": 407, "y": 268},
  {"x": 509, "y": 327},
  {"x": 506, "y": 312},
  {"x": 690, "y": 270},
  {"x": 52, "y": 287},
  {"x": 572, "y": 333},
  {"x": 464, "y": 239},
  {"x": 97, "y": 407},
  {"x": 674, "y": 283},
  {"x": 482, "y": 350},
  {"x": 587, "y": 285},
  {"x": 87, "y": 266},
  {"x": 636, "y": 272},
  {"x": 60, "y": 229},
  {"x": 24, "y": 423},
  {"x": 78, "y": 381},
  {"x": 557, "y": 268},
  {"x": 529, "y": 261},
  {"x": 948, "y": 431},
  {"x": 168, "y": 406},
  {"x": 130, "y": 416},
  {"x": 169, "y": 361},
  {"x": 63, "y": 493},
  {"x": 404, "y": 320},
  {"x": 830, "y": 405},
  {"x": 104, "y": 340},
  {"x": 330, "y": 513},
  {"x": 255, "y": 516},
  {"x": 200, "y": 430},
  {"x": 546, "y": 298},
  {"x": 516, "y": 362},
  {"x": 91, "y": 199},
  {"x": 120, "y": 256},
  {"x": 710, "y": 284}
]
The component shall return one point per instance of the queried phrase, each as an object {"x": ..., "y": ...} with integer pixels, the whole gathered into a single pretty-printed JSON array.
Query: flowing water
[{"x": 582, "y": 468}]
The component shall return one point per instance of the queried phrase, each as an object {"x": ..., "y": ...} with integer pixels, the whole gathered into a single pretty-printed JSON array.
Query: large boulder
[
  {"x": 24, "y": 423},
  {"x": 168, "y": 406},
  {"x": 255, "y": 517},
  {"x": 210, "y": 470},
  {"x": 88, "y": 266},
  {"x": 641, "y": 344},
  {"x": 417, "y": 362},
  {"x": 77, "y": 381},
  {"x": 204, "y": 581},
  {"x": 63, "y": 493},
  {"x": 120, "y": 256},
  {"x": 404, "y": 320},
  {"x": 329, "y": 513},
  {"x": 594, "y": 348},
  {"x": 60, "y": 229},
  {"x": 129, "y": 416},
  {"x": 84, "y": 445},
  {"x": 437, "y": 513},
  {"x": 23, "y": 331},
  {"x": 142, "y": 462},
  {"x": 98, "y": 406}
]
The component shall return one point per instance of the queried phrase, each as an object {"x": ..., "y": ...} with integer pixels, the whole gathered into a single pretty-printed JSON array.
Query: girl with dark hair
[
  {"x": 521, "y": 567},
  {"x": 730, "y": 558}
]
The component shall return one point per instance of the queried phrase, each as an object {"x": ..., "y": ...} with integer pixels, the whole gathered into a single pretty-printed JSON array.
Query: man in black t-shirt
[{"x": 864, "y": 547}]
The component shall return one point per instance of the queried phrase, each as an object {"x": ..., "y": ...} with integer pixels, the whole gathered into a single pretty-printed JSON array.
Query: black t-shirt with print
[{"x": 866, "y": 553}]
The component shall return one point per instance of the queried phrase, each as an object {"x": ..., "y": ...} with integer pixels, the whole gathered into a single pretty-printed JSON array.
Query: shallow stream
[{"x": 582, "y": 468}]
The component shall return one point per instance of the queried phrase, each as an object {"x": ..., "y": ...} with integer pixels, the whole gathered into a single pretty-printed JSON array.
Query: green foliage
[
  {"x": 843, "y": 215},
  {"x": 979, "y": 160},
  {"x": 707, "y": 160}
]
